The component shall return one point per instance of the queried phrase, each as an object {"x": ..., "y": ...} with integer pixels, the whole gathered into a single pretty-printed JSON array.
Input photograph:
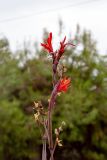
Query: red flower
[
  {"x": 62, "y": 47},
  {"x": 63, "y": 85},
  {"x": 48, "y": 44}
]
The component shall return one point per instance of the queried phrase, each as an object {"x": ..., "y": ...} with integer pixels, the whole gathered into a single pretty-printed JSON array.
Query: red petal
[
  {"x": 63, "y": 85},
  {"x": 64, "y": 40}
]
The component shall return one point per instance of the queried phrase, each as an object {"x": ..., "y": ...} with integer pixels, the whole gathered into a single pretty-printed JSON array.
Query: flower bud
[
  {"x": 63, "y": 123},
  {"x": 56, "y": 131}
]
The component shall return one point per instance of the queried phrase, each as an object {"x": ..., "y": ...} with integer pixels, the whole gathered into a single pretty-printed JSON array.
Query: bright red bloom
[
  {"x": 62, "y": 47},
  {"x": 63, "y": 85},
  {"x": 48, "y": 44}
]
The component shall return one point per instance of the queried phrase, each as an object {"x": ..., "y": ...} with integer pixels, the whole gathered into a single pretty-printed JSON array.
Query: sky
[{"x": 25, "y": 19}]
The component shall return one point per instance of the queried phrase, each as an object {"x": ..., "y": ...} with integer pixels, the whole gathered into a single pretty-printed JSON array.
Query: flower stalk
[{"x": 61, "y": 84}]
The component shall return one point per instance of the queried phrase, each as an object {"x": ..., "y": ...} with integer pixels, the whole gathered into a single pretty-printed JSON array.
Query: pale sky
[{"x": 25, "y": 19}]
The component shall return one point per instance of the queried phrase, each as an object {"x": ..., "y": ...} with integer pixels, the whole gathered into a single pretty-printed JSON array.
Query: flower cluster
[{"x": 56, "y": 55}]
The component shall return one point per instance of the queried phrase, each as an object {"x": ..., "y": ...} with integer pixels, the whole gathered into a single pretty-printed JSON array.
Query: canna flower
[
  {"x": 48, "y": 44},
  {"x": 62, "y": 47},
  {"x": 63, "y": 85}
]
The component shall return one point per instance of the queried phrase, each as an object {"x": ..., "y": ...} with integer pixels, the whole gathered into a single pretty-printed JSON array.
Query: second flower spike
[{"x": 63, "y": 85}]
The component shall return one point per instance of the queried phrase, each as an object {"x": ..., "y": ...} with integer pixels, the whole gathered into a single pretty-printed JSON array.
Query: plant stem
[
  {"x": 44, "y": 154},
  {"x": 51, "y": 104},
  {"x": 50, "y": 129}
]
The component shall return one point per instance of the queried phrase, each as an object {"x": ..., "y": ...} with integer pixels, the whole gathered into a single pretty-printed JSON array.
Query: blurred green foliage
[{"x": 83, "y": 108}]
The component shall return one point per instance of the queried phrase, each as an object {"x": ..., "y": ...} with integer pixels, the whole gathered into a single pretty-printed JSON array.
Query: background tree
[{"x": 84, "y": 109}]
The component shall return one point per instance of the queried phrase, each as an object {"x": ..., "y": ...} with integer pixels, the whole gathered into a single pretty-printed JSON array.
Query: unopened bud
[
  {"x": 49, "y": 100},
  {"x": 36, "y": 105},
  {"x": 60, "y": 129},
  {"x": 59, "y": 93},
  {"x": 36, "y": 116},
  {"x": 63, "y": 123},
  {"x": 56, "y": 131},
  {"x": 59, "y": 142}
]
